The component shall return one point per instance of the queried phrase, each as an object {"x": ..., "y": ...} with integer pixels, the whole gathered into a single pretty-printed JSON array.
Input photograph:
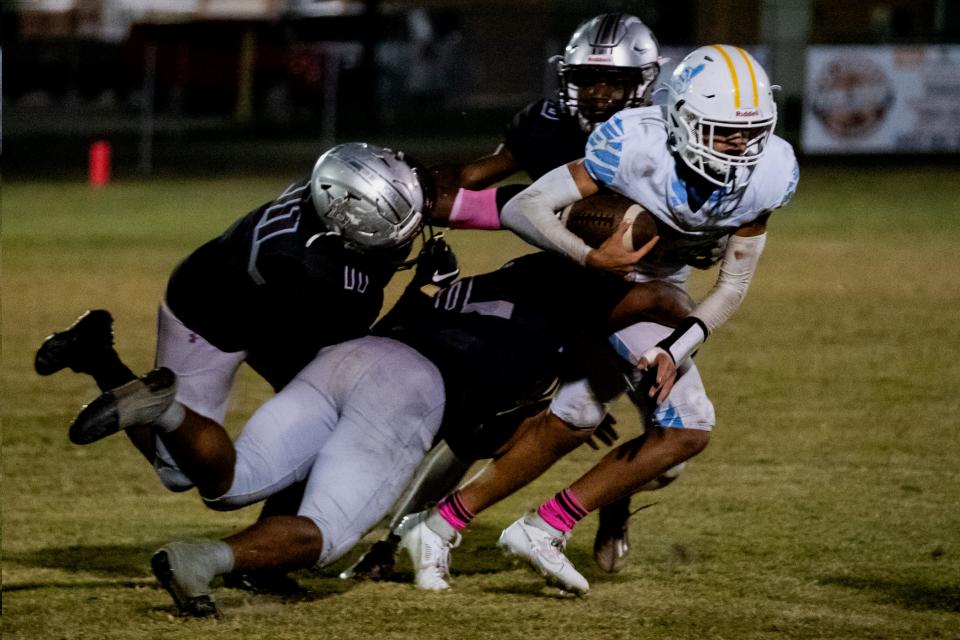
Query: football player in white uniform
[
  {"x": 711, "y": 170},
  {"x": 610, "y": 63}
]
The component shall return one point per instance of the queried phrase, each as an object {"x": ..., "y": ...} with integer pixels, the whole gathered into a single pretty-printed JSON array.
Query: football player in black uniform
[
  {"x": 361, "y": 414},
  {"x": 298, "y": 273},
  {"x": 301, "y": 272},
  {"x": 610, "y": 63}
]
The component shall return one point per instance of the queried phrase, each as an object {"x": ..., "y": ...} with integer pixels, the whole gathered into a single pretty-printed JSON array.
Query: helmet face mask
[
  {"x": 596, "y": 93},
  {"x": 610, "y": 63},
  {"x": 720, "y": 113},
  {"x": 704, "y": 147},
  {"x": 370, "y": 196}
]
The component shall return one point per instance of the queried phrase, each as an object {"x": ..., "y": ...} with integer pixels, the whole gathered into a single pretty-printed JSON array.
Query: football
[{"x": 594, "y": 218}]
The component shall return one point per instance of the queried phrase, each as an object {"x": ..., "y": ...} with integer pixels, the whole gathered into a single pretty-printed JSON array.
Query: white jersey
[{"x": 629, "y": 154}]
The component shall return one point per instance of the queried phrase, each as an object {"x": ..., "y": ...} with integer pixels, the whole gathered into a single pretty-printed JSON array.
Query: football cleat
[
  {"x": 269, "y": 583},
  {"x": 611, "y": 547},
  {"x": 77, "y": 345},
  {"x": 428, "y": 550},
  {"x": 377, "y": 563},
  {"x": 138, "y": 402},
  {"x": 176, "y": 574},
  {"x": 543, "y": 551}
]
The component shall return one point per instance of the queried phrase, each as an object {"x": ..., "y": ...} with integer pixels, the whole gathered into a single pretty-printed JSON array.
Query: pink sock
[
  {"x": 562, "y": 511},
  {"x": 453, "y": 511}
]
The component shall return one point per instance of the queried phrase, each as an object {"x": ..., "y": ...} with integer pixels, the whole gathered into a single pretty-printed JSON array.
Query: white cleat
[
  {"x": 428, "y": 550},
  {"x": 543, "y": 551}
]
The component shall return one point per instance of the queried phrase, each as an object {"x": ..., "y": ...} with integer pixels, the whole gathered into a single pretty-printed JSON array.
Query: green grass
[{"x": 825, "y": 507}]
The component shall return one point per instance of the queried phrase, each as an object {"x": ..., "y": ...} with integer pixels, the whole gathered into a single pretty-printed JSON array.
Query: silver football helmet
[
  {"x": 371, "y": 196},
  {"x": 611, "y": 63}
]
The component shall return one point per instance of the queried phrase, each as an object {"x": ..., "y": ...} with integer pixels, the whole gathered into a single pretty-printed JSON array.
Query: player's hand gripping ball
[{"x": 594, "y": 218}]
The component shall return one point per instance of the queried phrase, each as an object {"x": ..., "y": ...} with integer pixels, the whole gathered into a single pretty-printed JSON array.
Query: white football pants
[
  {"x": 354, "y": 423},
  {"x": 687, "y": 406}
]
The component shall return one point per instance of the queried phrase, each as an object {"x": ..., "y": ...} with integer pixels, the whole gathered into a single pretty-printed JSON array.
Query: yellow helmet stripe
[
  {"x": 733, "y": 74},
  {"x": 753, "y": 77}
]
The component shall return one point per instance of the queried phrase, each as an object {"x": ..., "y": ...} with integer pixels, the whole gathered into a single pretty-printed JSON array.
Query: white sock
[
  {"x": 195, "y": 563},
  {"x": 439, "y": 526},
  {"x": 533, "y": 519}
]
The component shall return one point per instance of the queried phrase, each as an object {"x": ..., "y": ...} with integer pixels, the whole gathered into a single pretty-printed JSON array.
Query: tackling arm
[{"x": 463, "y": 193}]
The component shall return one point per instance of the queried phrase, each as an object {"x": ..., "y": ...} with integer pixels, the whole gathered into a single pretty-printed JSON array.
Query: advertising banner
[{"x": 882, "y": 99}]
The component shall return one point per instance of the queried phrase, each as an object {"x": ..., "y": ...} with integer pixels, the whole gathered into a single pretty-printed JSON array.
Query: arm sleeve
[
  {"x": 736, "y": 271},
  {"x": 531, "y": 214}
]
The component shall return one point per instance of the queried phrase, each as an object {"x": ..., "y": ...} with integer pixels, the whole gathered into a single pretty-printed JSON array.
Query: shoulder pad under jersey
[
  {"x": 777, "y": 175},
  {"x": 634, "y": 138}
]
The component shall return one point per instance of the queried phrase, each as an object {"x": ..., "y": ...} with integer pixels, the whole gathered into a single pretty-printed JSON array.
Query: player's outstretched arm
[{"x": 465, "y": 196}]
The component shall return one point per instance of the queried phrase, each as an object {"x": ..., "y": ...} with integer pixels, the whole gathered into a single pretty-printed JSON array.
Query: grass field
[{"x": 827, "y": 505}]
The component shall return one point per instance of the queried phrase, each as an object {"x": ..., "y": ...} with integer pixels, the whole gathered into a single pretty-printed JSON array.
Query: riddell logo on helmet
[
  {"x": 748, "y": 113},
  {"x": 596, "y": 58}
]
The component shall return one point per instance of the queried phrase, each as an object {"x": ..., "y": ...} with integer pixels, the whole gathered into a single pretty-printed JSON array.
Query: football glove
[{"x": 436, "y": 263}]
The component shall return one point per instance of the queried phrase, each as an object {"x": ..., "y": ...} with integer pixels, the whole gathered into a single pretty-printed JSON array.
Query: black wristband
[{"x": 686, "y": 337}]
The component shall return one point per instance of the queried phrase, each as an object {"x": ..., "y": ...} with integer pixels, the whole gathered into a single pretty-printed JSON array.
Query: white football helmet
[
  {"x": 371, "y": 196},
  {"x": 719, "y": 89},
  {"x": 613, "y": 48}
]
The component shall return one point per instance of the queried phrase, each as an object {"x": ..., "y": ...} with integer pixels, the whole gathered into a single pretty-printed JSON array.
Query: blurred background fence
[{"x": 210, "y": 86}]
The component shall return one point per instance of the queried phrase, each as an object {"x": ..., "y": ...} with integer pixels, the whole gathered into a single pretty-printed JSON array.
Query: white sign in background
[{"x": 882, "y": 99}]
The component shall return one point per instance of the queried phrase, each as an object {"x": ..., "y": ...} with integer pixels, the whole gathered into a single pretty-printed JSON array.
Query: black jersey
[
  {"x": 277, "y": 286},
  {"x": 542, "y": 137},
  {"x": 501, "y": 339}
]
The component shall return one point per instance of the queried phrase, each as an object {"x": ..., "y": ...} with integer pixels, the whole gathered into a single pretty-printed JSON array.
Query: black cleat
[
  {"x": 611, "y": 547},
  {"x": 75, "y": 346},
  {"x": 197, "y": 605},
  {"x": 269, "y": 583},
  {"x": 138, "y": 402},
  {"x": 377, "y": 563}
]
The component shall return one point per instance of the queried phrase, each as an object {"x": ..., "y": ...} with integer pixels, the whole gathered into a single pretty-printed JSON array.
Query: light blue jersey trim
[
  {"x": 598, "y": 172},
  {"x": 602, "y": 154},
  {"x": 668, "y": 417}
]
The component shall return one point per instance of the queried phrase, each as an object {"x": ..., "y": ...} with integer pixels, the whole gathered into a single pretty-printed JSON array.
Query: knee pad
[{"x": 576, "y": 404}]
